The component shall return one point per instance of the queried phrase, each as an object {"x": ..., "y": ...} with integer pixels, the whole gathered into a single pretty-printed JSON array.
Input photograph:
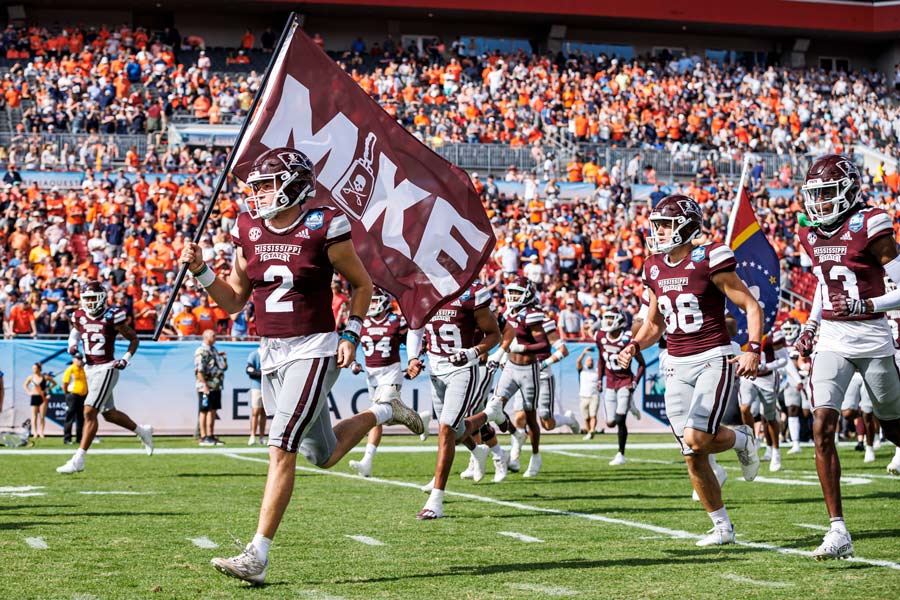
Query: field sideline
[{"x": 132, "y": 526}]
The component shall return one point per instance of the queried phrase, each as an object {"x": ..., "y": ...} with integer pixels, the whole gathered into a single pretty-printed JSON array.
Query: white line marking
[
  {"x": 550, "y": 590},
  {"x": 364, "y": 539},
  {"x": 630, "y": 459},
  {"x": 203, "y": 542},
  {"x": 811, "y": 526},
  {"x": 741, "y": 579},
  {"x": 22, "y": 488},
  {"x": 23, "y": 494},
  {"x": 36, "y": 543},
  {"x": 590, "y": 517},
  {"x": 521, "y": 537},
  {"x": 113, "y": 493}
]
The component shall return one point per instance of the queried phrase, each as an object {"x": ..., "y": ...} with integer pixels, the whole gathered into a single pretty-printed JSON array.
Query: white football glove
[
  {"x": 464, "y": 357},
  {"x": 515, "y": 346}
]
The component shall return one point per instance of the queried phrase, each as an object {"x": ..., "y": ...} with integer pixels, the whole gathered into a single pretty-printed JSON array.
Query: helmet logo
[{"x": 290, "y": 159}]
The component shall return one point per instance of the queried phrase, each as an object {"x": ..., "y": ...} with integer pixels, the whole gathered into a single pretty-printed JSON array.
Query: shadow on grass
[
  {"x": 500, "y": 569},
  {"x": 261, "y": 474}
]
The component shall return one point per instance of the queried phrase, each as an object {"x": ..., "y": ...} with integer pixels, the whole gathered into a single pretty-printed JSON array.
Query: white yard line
[
  {"x": 364, "y": 539},
  {"x": 203, "y": 542},
  {"x": 550, "y": 590},
  {"x": 114, "y": 493},
  {"x": 36, "y": 543},
  {"x": 675, "y": 533},
  {"x": 813, "y": 527},
  {"x": 521, "y": 537},
  {"x": 21, "y": 488},
  {"x": 741, "y": 579},
  {"x": 628, "y": 458}
]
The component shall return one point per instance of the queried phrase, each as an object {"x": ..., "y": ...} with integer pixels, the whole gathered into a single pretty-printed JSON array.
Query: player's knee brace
[{"x": 487, "y": 433}]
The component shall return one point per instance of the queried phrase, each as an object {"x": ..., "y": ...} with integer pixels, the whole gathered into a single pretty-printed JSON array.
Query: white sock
[
  {"x": 79, "y": 454},
  {"x": 897, "y": 453},
  {"x": 712, "y": 461},
  {"x": 720, "y": 518},
  {"x": 436, "y": 499},
  {"x": 837, "y": 524},
  {"x": 776, "y": 452},
  {"x": 261, "y": 543},
  {"x": 496, "y": 450},
  {"x": 741, "y": 440},
  {"x": 383, "y": 413},
  {"x": 870, "y": 447},
  {"x": 370, "y": 452},
  {"x": 794, "y": 429},
  {"x": 520, "y": 431}
]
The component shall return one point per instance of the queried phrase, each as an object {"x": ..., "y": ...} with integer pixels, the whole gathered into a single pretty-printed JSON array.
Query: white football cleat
[
  {"x": 795, "y": 449},
  {"x": 501, "y": 469},
  {"x": 835, "y": 544},
  {"x": 588, "y": 436},
  {"x": 534, "y": 466},
  {"x": 73, "y": 465},
  {"x": 494, "y": 411},
  {"x": 428, "y": 513},
  {"x": 618, "y": 460},
  {"x": 404, "y": 415},
  {"x": 470, "y": 470},
  {"x": 425, "y": 415},
  {"x": 145, "y": 433},
  {"x": 635, "y": 412},
  {"x": 573, "y": 423},
  {"x": 870, "y": 455},
  {"x": 479, "y": 454},
  {"x": 767, "y": 455},
  {"x": 893, "y": 467},
  {"x": 251, "y": 441},
  {"x": 245, "y": 566},
  {"x": 428, "y": 486},
  {"x": 363, "y": 467},
  {"x": 775, "y": 462},
  {"x": 877, "y": 443},
  {"x": 717, "y": 537},
  {"x": 749, "y": 457}
]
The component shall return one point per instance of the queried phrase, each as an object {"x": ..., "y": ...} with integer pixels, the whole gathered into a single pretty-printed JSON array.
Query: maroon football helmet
[
  {"x": 675, "y": 221},
  {"x": 519, "y": 292},
  {"x": 93, "y": 298},
  {"x": 280, "y": 178},
  {"x": 831, "y": 189}
]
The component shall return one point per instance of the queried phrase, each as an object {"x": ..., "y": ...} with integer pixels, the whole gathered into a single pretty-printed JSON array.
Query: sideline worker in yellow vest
[{"x": 75, "y": 386}]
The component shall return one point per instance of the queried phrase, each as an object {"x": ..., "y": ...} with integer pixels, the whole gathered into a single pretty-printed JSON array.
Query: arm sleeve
[
  {"x": 781, "y": 360},
  {"x": 890, "y": 300},
  {"x": 793, "y": 374},
  {"x": 815, "y": 314},
  {"x": 414, "y": 343},
  {"x": 74, "y": 337}
]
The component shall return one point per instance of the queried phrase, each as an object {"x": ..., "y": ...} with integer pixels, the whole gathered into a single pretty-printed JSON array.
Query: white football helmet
[
  {"x": 519, "y": 293},
  {"x": 93, "y": 298},
  {"x": 380, "y": 302},
  {"x": 612, "y": 320}
]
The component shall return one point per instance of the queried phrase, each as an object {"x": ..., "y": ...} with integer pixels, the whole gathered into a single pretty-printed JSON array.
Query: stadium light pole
[{"x": 292, "y": 23}]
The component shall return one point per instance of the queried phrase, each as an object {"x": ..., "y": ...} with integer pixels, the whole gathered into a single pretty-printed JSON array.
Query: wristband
[
  {"x": 350, "y": 337},
  {"x": 545, "y": 363},
  {"x": 354, "y": 326},
  {"x": 127, "y": 357},
  {"x": 753, "y": 347},
  {"x": 205, "y": 277}
]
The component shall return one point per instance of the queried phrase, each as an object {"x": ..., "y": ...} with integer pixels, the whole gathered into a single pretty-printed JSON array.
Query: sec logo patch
[
  {"x": 654, "y": 272},
  {"x": 255, "y": 234},
  {"x": 811, "y": 238},
  {"x": 314, "y": 220}
]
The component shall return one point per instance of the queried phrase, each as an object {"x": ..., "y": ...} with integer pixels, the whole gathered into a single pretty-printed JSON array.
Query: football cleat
[
  {"x": 425, "y": 415},
  {"x": 207, "y": 441},
  {"x": 717, "y": 537},
  {"x": 363, "y": 467},
  {"x": 245, "y": 566},
  {"x": 145, "y": 433},
  {"x": 767, "y": 455},
  {"x": 467, "y": 474},
  {"x": 251, "y": 441},
  {"x": 835, "y": 544},
  {"x": 588, "y": 436},
  {"x": 618, "y": 460},
  {"x": 795, "y": 449},
  {"x": 635, "y": 412},
  {"x": 403, "y": 415},
  {"x": 428, "y": 486},
  {"x": 534, "y": 466},
  {"x": 573, "y": 423},
  {"x": 73, "y": 465},
  {"x": 893, "y": 467},
  {"x": 501, "y": 466},
  {"x": 428, "y": 513},
  {"x": 479, "y": 454},
  {"x": 748, "y": 457},
  {"x": 775, "y": 462},
  {"x": 870, "y": 455},
  {"x": 877, "y": 443}
]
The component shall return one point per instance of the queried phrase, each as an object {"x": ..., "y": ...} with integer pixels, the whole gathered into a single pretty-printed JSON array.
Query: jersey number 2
[{"x": 274, "y": 303}]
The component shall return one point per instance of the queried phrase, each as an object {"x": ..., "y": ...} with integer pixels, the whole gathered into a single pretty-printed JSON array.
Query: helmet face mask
[
  {"x": 791, "y": 331},
  {"x": 831, "y": 189},
  {"x": 280, "y": 179},
  {"x": 93, "y": 300},
  {"x": 519, "y": 293},
  {"x": 379, "y": 304},
  {"x": 675, "y": 221},
  {"x": 612, "y": 321}
]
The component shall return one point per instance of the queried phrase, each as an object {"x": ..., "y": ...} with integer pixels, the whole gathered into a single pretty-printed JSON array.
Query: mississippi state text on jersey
[
  {"x": 380, "y": 340},
  {"x": 616, "y": 376},
  {"x": 289, "y": 271},
  {"x": 453, "y": 326},
  {"x": 98, "y": 336},
  {"x": 692, "y": 305},
  {"x": 842, "y": 262}
]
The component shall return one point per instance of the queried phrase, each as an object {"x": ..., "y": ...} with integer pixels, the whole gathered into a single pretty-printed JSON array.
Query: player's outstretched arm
[
  {"x": 488, "y": 325},
  {"x": 736, "y": 290},
  {"x": 649, "y": 333},
  {"x": 345, "y": 261},
  {"x": 232, "y": 293},
  {"x": 129, "y": 334}
]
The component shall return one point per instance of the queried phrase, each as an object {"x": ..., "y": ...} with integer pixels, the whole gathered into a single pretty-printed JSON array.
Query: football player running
[
  {"x": 764, "y": 391},
  {"x": 460, "y": 334},
  {"x": 796, "y": 400},
  {"x": 382, "y": 333},
  {"x": 620, "y": 383},
  {"x": 96, "y": 326},
  {"x": 852, "y": 248},
  {"x": 688, "y": 286},
  {"x": 300, "y": 352}
]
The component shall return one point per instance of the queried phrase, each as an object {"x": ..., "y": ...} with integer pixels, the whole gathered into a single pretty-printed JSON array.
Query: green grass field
[{"x": 604, "y": 532}]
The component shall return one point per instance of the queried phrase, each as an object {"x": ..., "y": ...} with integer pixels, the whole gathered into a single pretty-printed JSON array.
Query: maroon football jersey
[
  {"x": 842, "y": 262},
  {"x": 453, "y": 326},
  {"x": 549, "y": 326},
  {"x": 692, "y": 305},
  {"x": 289, "y": 271},
  {"x": 768, "y": 352},
  {"x": 98, "y": 336},
  {"x": 523, "y": 320},
  {"x": 616, "y": 376},
  {"x": 380, "y": 340}
]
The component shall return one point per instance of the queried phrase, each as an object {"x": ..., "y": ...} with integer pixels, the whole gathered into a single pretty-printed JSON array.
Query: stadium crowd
[{"x": 586, "y": 252}]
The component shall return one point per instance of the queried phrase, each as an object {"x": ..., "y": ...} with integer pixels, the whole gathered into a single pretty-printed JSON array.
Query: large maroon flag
[{"x": 418, "y": 224}]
